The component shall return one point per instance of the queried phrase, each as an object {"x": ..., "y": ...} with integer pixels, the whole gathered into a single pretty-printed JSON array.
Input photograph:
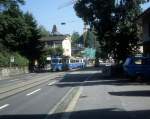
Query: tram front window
[{"x": 55, "y": 61}]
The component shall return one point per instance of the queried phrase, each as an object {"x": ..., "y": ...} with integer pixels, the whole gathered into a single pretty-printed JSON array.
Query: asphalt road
[{"x": 36, "y": 102}]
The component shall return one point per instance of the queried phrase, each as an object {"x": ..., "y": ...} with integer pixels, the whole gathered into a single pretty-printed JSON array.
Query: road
[
  {"x": 22, "y": 78},
  {"x": 38, "y": 101},
  {"x": 87, "y": 93}
]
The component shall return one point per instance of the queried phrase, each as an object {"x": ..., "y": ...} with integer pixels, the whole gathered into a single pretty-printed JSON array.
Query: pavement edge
[{"x": 61, "y": 106}]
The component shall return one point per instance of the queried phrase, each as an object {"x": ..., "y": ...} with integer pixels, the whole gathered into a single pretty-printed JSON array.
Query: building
[
  {"x": 144, "y": 21},
  {"x": 66, "y": 45},
  {"x": 58, "y": 41}
]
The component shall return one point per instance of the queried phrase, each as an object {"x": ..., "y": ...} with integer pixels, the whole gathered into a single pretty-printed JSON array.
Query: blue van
[{"x": 137, "y": 67}]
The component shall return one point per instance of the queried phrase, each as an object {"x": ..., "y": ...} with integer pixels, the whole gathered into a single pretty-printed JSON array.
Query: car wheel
[{"x": 139, "y": 78}]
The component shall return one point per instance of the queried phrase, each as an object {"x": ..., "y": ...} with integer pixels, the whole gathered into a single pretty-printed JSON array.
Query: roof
[
  {"x": 53, "y": 38},
  {"x": 145, "y": 14},
  {"x": 56, "y": 33}
]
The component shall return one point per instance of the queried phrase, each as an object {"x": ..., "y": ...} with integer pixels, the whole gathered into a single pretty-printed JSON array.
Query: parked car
[{"x": 137, "y": 67}]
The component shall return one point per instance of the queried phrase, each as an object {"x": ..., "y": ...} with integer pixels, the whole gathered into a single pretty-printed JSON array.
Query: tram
[{"x": 60, "y": 64}]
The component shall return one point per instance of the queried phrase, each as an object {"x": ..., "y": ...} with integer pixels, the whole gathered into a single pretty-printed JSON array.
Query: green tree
[
  {"x": 75, "y": 37},
  {"x": 89, "y": 39},
  {"x": 43, "y": 31},
  {"x": 9, "y": 4},
  {"x": 12, "y": 25},
  {"x": 127, "y": 31},
  {"x": 18, "y": 31},
  {"x": 98, "y": 15},
  {"x": 114, "y": 24},
  {"x": 59, "y": 51},
  {"x": 32, "y": 48}
]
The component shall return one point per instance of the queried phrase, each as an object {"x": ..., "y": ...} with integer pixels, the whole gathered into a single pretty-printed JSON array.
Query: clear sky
[{"x": 46, "y": 13}]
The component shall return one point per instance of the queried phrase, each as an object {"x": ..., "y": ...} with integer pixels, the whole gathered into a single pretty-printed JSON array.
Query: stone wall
[{"x": 7, "y": 72}]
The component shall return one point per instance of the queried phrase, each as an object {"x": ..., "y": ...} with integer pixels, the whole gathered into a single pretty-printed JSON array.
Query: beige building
[
  {"x": 66, "y": 45},
  {"x": 54, "y": 41},
  {"x": 57, "y": 39}
]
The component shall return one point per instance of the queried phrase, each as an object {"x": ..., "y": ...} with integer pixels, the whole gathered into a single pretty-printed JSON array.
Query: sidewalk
[{"x": 113, "y": 99}]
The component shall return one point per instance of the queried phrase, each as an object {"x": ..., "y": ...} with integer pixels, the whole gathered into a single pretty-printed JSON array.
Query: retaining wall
[{"x": 7, "y": 71}]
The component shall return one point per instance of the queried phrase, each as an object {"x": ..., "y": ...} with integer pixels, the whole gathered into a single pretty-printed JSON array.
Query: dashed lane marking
[
  {"x": 52, "y": 83},
  {"x": 4, "y": 106},
  {"x": 33, "y": 92}
]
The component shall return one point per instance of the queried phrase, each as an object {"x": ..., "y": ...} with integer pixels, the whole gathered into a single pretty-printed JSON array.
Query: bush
[
  {"x": 19, "y": 60},
  {"x": 4, "y": 59}
]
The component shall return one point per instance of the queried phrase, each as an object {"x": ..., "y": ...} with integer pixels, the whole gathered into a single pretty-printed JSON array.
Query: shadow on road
[
  {"x": 109, "y": 113},
  {"x": 143, "y": 93},
  {"x": 94, "y": 76}
]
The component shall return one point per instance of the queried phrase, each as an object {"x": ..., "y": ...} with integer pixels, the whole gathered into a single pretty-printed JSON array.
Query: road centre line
[
  {"x": 4, "y": 106},
  {"x": 33, "y": 92}
]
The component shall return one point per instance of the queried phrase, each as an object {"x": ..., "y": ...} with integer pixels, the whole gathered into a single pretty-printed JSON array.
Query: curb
[{"x": 64, "y": 102}]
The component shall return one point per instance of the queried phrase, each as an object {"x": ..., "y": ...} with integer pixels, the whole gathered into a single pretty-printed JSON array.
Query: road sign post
[{"x": 12, "y": 60}]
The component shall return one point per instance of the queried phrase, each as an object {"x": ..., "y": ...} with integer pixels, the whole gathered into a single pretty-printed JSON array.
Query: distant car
[{"x": 137, "y": 67}]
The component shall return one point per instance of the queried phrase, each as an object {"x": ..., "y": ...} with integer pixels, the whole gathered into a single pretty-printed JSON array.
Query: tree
[
  {"x": 127, "y": 31},
  {"x": 89, "y": 39},
  {"x": 43, "y": 31},
  {"x": 18, "y": 31},
  {"x": 57, "y": 51},
  {"x": 114, "y": 24},
  {"x": 75, "y": 37},
  {"x": 9, "y": 4},
  {"x": 98, "y": 15},
  {"x": 12, "y": 29},
  {"x": 32, "y": 48}
]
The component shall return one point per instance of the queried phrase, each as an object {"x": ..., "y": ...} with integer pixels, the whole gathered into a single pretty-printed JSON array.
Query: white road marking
[
  {"x": 52, "y": 83},
  {"x": 4, "y": 106},
  {"x": 57, "y": 105},
  {"x": 72, "y": 104},
  {"x": 33, "y": 92}
]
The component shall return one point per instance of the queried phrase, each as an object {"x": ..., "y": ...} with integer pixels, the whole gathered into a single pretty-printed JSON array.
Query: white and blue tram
[{"x": 60, "y": 64}]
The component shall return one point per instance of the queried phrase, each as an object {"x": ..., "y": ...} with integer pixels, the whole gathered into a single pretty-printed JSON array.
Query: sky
[{"x": 46, "y": 13}]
